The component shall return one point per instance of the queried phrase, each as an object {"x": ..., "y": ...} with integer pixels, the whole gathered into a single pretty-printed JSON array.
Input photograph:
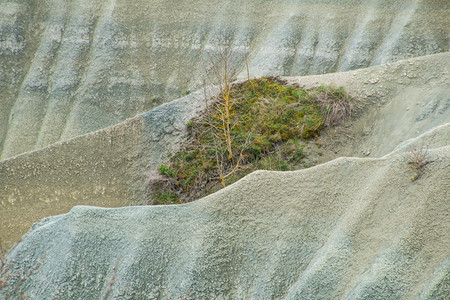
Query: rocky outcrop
[{"x": 70, "y": 67}]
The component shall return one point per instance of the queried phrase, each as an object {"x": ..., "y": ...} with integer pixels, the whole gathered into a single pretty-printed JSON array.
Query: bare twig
[{"x": 248, "y": 73}]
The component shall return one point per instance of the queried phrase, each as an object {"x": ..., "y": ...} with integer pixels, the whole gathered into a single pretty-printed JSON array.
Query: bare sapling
[{"x": 223, "y": 76}]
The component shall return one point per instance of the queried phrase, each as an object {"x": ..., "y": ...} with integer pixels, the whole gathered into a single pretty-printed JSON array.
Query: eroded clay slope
[
  {"x": 353, "y": 228},
  {"x": 111, "y": 167},
  {"x": 69, "y": 67}
]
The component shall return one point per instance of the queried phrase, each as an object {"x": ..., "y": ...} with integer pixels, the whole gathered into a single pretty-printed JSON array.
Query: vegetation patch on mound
[{"x": 257, "y": 124}]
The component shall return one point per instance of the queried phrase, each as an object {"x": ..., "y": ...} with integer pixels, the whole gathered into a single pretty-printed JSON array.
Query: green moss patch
[{"x": 269, "y": 124}]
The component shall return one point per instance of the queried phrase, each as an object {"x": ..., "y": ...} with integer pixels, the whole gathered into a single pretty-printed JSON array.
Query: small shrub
[{"x": 417, "y": 158}]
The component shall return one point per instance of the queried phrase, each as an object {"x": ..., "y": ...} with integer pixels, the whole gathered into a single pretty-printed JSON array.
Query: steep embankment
[
  {"x": 69, "y": 67},
  {"x": 111, "y": 167},
  {"x": 352, "y": 228}
]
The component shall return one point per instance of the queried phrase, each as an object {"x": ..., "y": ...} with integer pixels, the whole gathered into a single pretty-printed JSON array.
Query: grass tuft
[{"x": 256, "y": 124}]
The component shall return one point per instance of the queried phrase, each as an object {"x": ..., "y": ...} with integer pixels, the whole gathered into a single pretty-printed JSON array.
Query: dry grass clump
[
  {"x": 335, "y": 103},
  {"x": 417, "y": 158}
]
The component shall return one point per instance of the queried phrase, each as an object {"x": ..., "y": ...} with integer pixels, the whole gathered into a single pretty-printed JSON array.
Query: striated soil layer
[{"x": 70, "y": 67}]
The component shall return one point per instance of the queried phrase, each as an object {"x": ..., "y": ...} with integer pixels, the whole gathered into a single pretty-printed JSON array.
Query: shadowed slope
[{"x": 72, "y": 67}]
